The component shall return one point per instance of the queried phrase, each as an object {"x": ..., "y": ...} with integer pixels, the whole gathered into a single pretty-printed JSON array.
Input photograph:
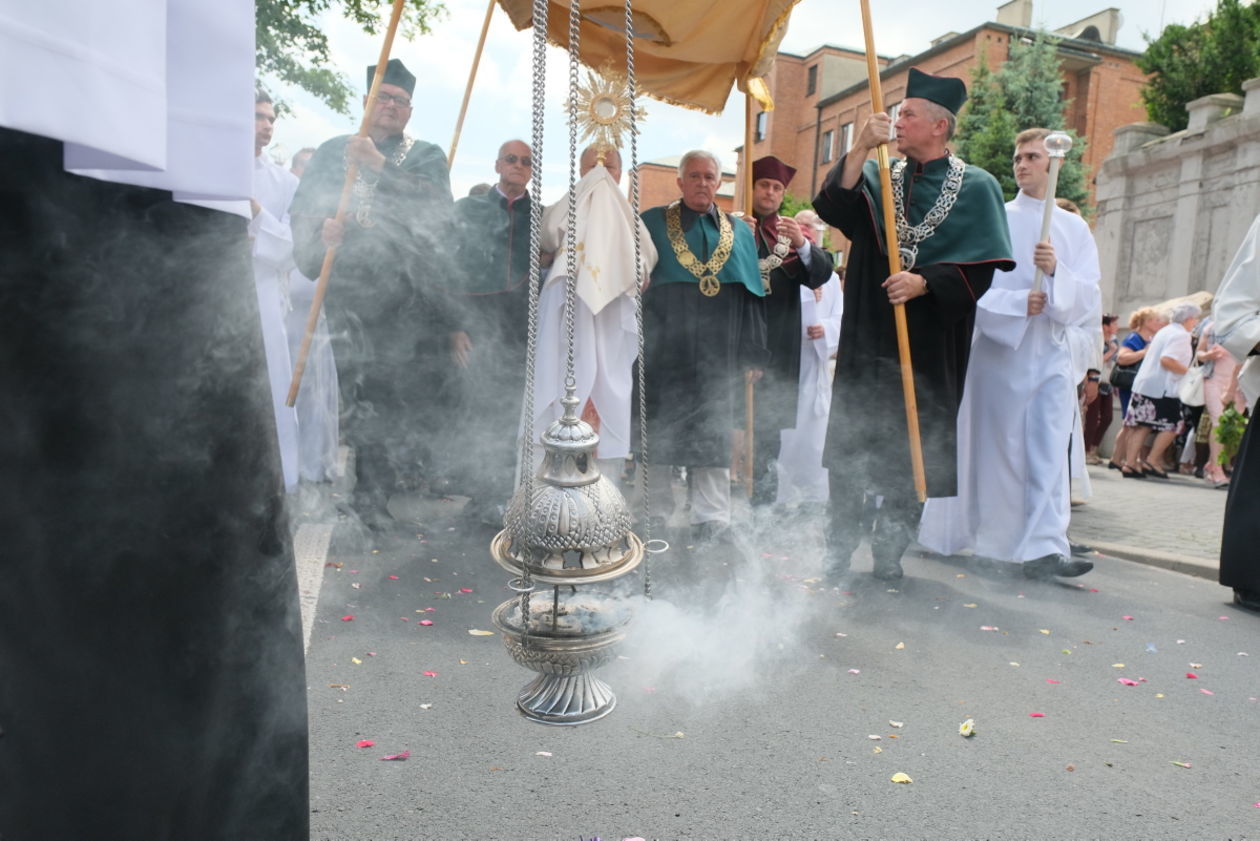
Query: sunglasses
[{"x": 512, "y": 159}]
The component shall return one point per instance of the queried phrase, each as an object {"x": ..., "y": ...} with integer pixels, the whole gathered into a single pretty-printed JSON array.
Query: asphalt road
[{"x": 752, "y": 715}]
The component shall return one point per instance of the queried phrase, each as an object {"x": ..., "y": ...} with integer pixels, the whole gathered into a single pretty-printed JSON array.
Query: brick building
[
  {"x": 822, "y": 99},
  {"x": 658, "y": 184}
]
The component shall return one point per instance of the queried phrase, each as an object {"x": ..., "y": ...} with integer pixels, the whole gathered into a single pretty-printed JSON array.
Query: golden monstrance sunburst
[{"x": 602, "y": 106}]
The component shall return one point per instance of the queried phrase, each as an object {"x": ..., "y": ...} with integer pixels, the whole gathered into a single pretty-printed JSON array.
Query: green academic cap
[
  {"x": 395, "y": 74},
  {"x": 945, "y": 91}
]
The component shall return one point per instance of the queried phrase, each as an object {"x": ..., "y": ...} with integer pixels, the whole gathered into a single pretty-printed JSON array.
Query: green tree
[
  {"x": 1025, "y": 92},
  {"x": 292, "y": 49},
  {"x": 1189, "y": 62}
]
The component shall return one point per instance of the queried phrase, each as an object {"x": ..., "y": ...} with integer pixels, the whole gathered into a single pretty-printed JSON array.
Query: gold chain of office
[{"x": 706, "y": 273}]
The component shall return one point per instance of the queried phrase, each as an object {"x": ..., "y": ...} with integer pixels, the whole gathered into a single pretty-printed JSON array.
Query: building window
[
  {"x": 894, "y": 111},
  {"x": 759, "y": 130},
  {"x": 846, "y": 138},
  {"x": 811, "y": 80},
  {"x": 826, "y": 147}
]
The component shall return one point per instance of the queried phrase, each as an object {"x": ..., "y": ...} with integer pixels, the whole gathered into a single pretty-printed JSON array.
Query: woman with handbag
[
  {"x": 1144, "y": 324},
  {"x": 1154, "y": 403}
]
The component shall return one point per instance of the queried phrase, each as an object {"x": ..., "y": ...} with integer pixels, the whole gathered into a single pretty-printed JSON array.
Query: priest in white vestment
[
  {"x": 1016, "y": 419},
  {"x": 274, "y": 187},
  {"x": 802, "y": 477},
  {"x": 606, "y": 339}
]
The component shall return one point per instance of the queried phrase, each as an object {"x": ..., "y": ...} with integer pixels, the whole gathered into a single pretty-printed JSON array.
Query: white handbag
[{"x": 1190, "y": 392}]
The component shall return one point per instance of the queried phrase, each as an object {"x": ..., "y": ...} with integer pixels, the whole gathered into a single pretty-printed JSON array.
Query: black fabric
[
  {"x": 776, "y": 394},
  {"x": 1122, "y": 376},
  {"x": 697, "y": 349},
  {"x": 151, "y": 673},
  {"x": 1240, "y": 563},
  {"x": 866, "y": 438},
  {"x": 388, "y": 312}
]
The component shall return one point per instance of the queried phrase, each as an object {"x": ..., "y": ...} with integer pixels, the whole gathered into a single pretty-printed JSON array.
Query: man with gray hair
[
  {"x": 953, "y": 236},
  {"x": 704, "y": 327}
]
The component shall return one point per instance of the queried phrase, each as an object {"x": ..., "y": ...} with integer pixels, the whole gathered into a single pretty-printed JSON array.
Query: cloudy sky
[{"x": 500, "y": 110}]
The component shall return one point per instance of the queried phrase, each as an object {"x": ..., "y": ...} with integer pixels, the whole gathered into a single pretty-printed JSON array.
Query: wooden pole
[
  {"x": 894, "y": 266},
  {"x": 352, "y": 172},
  {"x": 749, "y": 396},
  {"x": 472, "y": 76}
]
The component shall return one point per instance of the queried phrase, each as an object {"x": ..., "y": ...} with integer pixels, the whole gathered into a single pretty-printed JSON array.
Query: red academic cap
[{"x": 772, "y": 167}]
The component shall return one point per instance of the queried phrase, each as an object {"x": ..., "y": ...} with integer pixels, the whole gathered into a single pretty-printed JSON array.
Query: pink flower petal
[
  {"x": 1223, "y": 618},
  {"x": 425, "y": 622},
  {"x": 1192, "y": 675},
  {"x": 430, "y": 674},
  {"x": 364, "y": 743},
  {"x": 347, "y": 618},
  {"x": 1051, "y": 680},
  {"x": 1207, "y": 691},
  {"x": 855, "y": 671},
  {"x": 465, "y": 589},
  {"x": 1093, "y": 590},
  {"x": 988, "y": 627},
  {"x": 397, "y": 757},
  {"x": 393, "y": 578},
  {"x": 1036, "y": 715},
  {"x": 1127, "y": 618},
  {"x": 1126, "y": 681}
]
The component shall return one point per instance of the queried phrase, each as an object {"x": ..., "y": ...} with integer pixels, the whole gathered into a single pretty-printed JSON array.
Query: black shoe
[
  {"x": 835, "y": 568},
  {"x": 1130, "y": 473},
  {"x": 1081, "y": 549},
  {"x": 710, "y": 532},
  {"x": 1249, "y": 599},
  {"x": 1056, "y": 565},
  {"x": 886, "y": 570},
  {"x": 375, "y": 518},
  {"x": 1111, "y": 465}
]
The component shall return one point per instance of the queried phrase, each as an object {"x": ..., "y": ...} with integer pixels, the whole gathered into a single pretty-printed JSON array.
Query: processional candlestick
[{"x": 1058, "y": 145}]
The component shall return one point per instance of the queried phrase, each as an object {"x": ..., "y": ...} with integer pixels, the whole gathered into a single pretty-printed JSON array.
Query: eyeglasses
[
  {"x": 389, "y": 99},
  {"x": 512, "y": 159}
]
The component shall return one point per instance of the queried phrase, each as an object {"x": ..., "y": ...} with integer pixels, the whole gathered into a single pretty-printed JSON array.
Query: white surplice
[
  {"x": 1016, "y": 418},
  {"x": 606, "y": 338},
  {"x": 124, "y": 84},
  {"x": 318, "y": 402},
  {"x": 1237, "y": 310},
  {"x": 802, "y": 476},
  {"x": 274, "y": 187}
]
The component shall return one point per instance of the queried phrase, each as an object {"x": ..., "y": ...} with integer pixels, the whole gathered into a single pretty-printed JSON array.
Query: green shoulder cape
[
  {"x": 740, "y": 267},
  {"x": 975, "y": 230}
]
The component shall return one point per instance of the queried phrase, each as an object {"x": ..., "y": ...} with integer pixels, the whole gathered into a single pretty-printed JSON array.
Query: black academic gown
[
  {"x": 151, "y": 672},
  {"x": 867, "y": 449},
  {"x": 1241, "y": 535},
  {"x": 776, "y": 394},
  {"x": 697, "y": 348},
  {"x": 388, "y": 314}
]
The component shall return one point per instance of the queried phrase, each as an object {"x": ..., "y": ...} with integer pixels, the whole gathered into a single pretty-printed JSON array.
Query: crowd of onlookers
[{"x": 1179, "y": 401}]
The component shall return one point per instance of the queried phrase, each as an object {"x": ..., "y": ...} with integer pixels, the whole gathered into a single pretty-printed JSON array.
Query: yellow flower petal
[{"x": 901, "y": 778}]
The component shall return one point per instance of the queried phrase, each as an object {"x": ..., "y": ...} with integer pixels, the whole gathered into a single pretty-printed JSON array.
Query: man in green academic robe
[
  {"x": 704, "y": 326},
  {"x": 387, "y": 320},
  {"x": 952, "y": 233}
]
